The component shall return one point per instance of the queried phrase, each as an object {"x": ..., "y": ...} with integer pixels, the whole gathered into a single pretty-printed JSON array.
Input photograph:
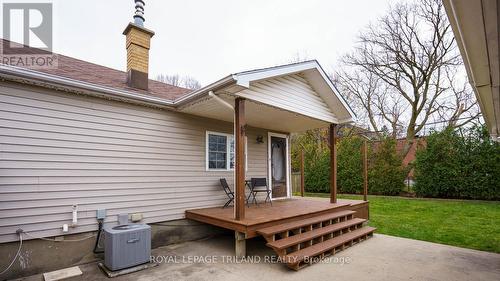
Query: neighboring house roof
[
  {"x": 476, "y": 25},
  {"x": 80, "y": 70},
  {"x": 352, "y": 130},
  {"x": 411, "y": 155}
]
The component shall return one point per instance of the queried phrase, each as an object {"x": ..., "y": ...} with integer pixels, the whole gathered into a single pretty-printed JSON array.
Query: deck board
[{"x": 265, "y": 215}]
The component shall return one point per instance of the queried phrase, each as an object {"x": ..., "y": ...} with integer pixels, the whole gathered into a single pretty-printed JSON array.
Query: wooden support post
[
  {"x": 365, "y": 171},
  {"x": 239, "y": 132},
  {"x": 333, "y": 163},
  {"x": 240, "y": 246},
  {"x": 302, "y": 176}
]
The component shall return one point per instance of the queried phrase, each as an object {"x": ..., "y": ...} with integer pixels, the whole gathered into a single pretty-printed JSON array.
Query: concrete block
[{"x": 62, "y": 274}]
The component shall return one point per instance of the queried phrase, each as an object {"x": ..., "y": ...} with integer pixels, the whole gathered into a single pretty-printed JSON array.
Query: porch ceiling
[{"x": 257, "y": 114}]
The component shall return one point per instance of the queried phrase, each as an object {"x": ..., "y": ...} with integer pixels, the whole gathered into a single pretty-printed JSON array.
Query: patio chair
[
  {"x": 228, "y": 192},
  {"x": 260, "y": 185}
]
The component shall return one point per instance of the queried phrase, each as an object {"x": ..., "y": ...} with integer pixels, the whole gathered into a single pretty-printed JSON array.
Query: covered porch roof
[
  {"x": 476, "y": 26},
  {"x": 288, "y": 98}
]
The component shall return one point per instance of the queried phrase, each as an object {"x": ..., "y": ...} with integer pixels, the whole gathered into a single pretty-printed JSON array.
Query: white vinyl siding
[
  {"x": 292, "y": 93},
  {"x": 59, "y": 149}
]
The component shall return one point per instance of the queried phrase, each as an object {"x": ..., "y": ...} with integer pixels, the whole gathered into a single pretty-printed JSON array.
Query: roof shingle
[{"x": 80, "y": 70}]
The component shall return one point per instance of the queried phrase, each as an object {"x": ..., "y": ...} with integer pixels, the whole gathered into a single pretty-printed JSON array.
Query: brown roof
[
  {"x": 97, "y": 74},
  {"x": 412, "y": 152}
]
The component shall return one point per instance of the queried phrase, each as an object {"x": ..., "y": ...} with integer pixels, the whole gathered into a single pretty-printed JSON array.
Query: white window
[{"x": 220, "y": 151}]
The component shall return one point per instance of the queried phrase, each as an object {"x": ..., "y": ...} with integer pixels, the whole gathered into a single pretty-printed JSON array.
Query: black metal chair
[
  {"x": 260, "y": 185},
  {"x": 228, "y": 192}
]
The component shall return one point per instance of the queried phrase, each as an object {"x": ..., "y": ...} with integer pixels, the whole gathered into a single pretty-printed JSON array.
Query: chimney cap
[
  {"x": 139, "y": 12},
  {"x": 142, "y": 28}
]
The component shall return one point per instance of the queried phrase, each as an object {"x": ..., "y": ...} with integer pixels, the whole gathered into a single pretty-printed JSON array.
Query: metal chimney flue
[{"x": 139, "y": 12}]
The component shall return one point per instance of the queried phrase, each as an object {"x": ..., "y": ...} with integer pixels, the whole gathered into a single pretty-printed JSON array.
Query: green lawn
[{"x": 462, "y": 223}]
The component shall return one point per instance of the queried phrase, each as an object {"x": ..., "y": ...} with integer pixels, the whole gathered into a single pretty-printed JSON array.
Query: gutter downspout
[
  {"x": 228, "y": 105},
  {"x": 223, "y": 102}
]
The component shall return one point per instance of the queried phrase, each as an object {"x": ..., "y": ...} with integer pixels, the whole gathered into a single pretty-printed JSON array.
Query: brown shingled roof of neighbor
[{"x": 80, "y": 70}]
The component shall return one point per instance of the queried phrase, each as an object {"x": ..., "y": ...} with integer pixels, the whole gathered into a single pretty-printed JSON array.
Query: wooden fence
[{"x": 296, "y": 183}]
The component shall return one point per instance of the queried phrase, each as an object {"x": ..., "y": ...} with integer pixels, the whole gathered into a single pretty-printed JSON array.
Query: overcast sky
[{"x": 211, "y": 39}]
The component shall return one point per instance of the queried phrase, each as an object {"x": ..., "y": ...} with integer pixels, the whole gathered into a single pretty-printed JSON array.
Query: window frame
[{"x": 228, "y": 151}]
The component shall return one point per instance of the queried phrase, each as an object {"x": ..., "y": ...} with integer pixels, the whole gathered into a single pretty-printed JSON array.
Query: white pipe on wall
[
  {"x": 75, "y": 216},
  {"x": 211, "y": 94}
]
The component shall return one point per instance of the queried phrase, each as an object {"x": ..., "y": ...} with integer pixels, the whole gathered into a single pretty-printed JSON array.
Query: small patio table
[{"x": 253, "y": 192}]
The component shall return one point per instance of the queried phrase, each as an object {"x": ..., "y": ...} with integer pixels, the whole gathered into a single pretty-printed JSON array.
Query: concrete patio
[{"x": 380, "y": 258}]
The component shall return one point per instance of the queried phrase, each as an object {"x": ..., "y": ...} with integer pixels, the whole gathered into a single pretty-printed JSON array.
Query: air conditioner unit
[{"x": 126, "y": 245}]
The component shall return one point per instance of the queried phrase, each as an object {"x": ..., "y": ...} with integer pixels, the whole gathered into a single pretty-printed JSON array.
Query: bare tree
[
  {"x": 173, "y": 80},
  {"x": 179, "y": 81},
  {"x": 190, "y": 83},
  {"x": 403, "y": 71},
  {"x": 461, "y": 107},
  {"x": 299, "y": 56}
]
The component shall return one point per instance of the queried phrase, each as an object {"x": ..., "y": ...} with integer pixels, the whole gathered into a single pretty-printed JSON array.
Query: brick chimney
[{"x": 137, "y": 44}]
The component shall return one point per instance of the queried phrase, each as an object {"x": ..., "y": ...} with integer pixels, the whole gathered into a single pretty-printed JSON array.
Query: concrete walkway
[{"x": 379, "y": 258}]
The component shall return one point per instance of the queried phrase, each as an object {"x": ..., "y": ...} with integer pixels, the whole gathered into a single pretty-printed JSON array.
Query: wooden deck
[{"x": 282, "y": 211}]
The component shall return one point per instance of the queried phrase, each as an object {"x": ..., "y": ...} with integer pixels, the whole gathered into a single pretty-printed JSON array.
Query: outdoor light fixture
[{"x": 260, "y": 139}]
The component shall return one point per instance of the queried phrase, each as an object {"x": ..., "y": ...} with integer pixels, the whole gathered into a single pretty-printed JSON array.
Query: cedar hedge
[
  {"x": 386, "y": 176},
  {"x": 461, "y": 164}
]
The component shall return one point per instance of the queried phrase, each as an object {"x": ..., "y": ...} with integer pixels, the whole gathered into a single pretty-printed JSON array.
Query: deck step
[
  {"x": 269, "y": 231},
  {"x": 303, "y": 257},
  {"x": 313, "y": 234}
]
